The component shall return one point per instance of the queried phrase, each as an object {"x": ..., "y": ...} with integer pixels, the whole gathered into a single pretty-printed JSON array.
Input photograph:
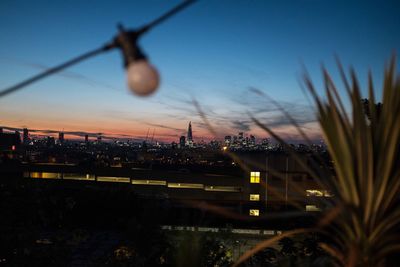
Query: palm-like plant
[
  {"x": 365, "y": 150},
  {"x": 366, "y": 154}
]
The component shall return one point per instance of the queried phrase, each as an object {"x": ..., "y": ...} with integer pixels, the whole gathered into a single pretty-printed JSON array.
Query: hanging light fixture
[{"x": 142, "y": 77}]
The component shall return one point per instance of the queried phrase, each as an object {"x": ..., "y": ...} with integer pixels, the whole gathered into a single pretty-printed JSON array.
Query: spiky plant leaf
[{"x": 366, "y": 156}]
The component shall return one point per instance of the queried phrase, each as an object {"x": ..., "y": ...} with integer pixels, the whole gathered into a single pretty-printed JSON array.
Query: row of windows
[
  {"x": 186, "y": 185},
  {"x": 91, "y": 177},
  {"x": 149, "y": 182},
  {"x": 220, "y": 188},
  {"x": 113, "y": 179},
  {"x": 254, "y": 179}
]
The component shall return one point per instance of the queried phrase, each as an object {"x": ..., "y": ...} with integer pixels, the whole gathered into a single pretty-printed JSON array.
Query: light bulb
[{"x": 142, "y": 77}]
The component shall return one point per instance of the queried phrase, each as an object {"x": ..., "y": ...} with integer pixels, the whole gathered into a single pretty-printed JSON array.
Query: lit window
[
  {"x": 185, "y": 185},
  {"x": 254, "y": 212},
  {"x": 77, "y": 176},
  {"x": 221, "y": 188},
  {"x": 255, "y": 177},
  {"x": 318, "y": 193},
  {"x": 149, "y": 182},
  {"x": 327, "y": 193},
  {"x": 45, "y": 175},
  {"x": 314, "y": 193},
  {"x": 254, "y": 197},
  {"x": 312, "y": 208},
  {"x": 113, "y": 179}
]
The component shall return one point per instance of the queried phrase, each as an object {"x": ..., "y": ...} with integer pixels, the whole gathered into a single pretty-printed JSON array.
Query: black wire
[
  {"x": 91, "y": 53},
  {"x": 166, "y": 15},
  {"x": 53, "y": 70}
]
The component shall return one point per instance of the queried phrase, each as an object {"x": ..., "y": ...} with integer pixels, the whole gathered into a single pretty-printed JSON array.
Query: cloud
[
  {"x": 162, "y": 126},
  {"x": 271, "y": 112},
  {"x": 129, "y": 117},
  {"x": 241, "y": 125}
]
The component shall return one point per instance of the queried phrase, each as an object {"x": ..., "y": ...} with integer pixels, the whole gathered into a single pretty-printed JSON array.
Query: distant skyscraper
[
  {"x": 26, "y": 136},
  {"x": 252, "y": 140},
  {"x": 61, "y": 137},
  {"x": 265, "y": 142},
  {"x": 182, "y": 141},
  {"x": 86, "y": 138},
  {"x": 99, "y": 138},
  {"x": 228, "y": 140},
  {"x": 240, "y": 136},
  {"x": 189, "y": 133},
  {"x": 235, "y": 139},
  {"x": 1, "y": 130}
]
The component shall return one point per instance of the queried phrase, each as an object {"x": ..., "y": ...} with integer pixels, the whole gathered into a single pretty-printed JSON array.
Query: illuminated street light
[{"x": 142, "y": 78}]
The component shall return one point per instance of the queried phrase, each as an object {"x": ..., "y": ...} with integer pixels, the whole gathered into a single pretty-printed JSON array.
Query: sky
[{"x": 220, "y": 63}]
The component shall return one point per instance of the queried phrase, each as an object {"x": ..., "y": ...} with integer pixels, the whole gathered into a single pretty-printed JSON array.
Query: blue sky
[{"x": 212, "y": 52}]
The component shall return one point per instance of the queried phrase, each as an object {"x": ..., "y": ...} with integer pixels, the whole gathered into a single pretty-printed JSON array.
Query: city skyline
[
  {"x": 212, "y": 54},
  {"x": 27, "y": 133}
]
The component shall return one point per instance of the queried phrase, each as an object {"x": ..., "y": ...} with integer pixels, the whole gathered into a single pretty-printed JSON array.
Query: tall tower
[{"x": 189, "y": 133}]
